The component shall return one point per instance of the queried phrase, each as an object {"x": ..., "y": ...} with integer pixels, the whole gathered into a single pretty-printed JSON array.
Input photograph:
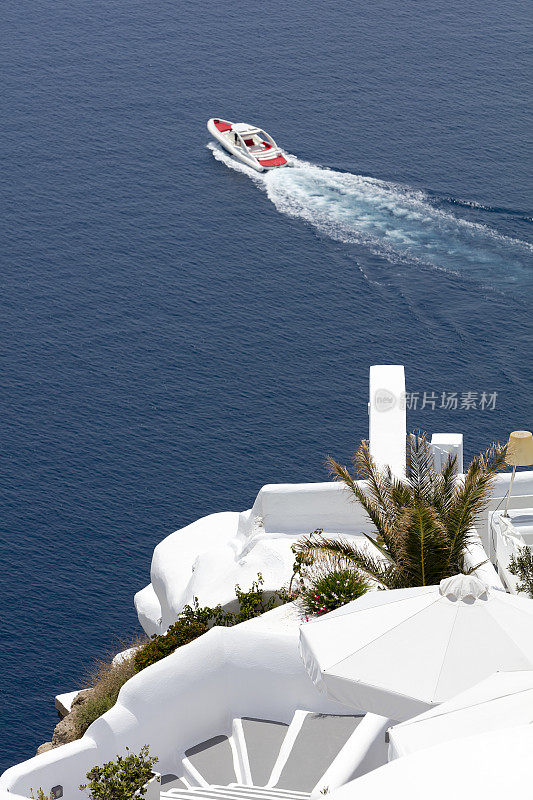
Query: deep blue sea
[{"x": 177, "y": 333}]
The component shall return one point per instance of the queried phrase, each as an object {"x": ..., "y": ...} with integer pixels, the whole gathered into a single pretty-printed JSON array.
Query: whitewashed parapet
[{"x": 294, "y": 509}]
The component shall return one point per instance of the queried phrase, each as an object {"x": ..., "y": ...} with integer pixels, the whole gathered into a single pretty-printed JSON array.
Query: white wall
[
  {"x": 207, "y": 558},
  {"x": 252, "y": 669},
  {"x": 298, "y": 508},
  {"x": 173, "y": 563}
]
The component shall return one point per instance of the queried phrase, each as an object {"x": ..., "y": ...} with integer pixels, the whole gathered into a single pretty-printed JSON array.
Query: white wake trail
[{"x": 388, "y": 219}]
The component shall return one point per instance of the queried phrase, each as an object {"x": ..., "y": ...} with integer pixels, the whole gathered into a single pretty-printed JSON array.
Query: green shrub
[
  {"x": 330, "y": 589},
  {"x": 254, "y": 602},
  {"x": 194, "y": 621},
  {"x": 41, "y": 794},
  {"x": 182, "y": 632},
  {"x": 120, "y": 779},
  {"x": 521, "y": 566}
]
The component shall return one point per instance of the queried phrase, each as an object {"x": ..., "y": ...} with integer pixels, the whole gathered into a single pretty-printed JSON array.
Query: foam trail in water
[{"x": 390, "y": 220}]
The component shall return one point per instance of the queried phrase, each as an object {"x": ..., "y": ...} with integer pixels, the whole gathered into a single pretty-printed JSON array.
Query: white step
[
  {"x": 211, "y": 762},
  {"x": 263, "y": 759},
  {"x": 263, "y": 790},
  {"x": 231, "y": 793},
  {"x": 262, "y": 740},
  {"x": 317, "y": 743},
  {"x": 257, "y": 792},
  {"x": 235, "y": 792}
]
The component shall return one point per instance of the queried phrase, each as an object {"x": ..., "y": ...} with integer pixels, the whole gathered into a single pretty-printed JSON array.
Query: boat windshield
[{"x": 266, "y": 137}]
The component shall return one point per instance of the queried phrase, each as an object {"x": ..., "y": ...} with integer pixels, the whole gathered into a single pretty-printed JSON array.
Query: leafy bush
[
  {"x": 194, "y": 621},
  {"x": 183, "y": 631},
  {"x": 330, "y": 589},
  {"x": 120, "y": 779},
  {"x": 41, "y": 794},
  {"x": 521, "y": 566},
  {"x": 254, "y": 602}
]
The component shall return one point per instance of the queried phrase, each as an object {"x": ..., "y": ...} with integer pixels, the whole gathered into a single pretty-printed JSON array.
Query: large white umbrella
[
  {"x": 504, "y": 700},
  {"x": 398, "y": 653}
]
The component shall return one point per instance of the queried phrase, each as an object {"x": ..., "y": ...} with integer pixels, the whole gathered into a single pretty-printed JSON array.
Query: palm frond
[
  {"x": 376, "y": 479},
  {"x": 420, "y": 468},
  {"x": 471, "y": 498},
  {"x": 322, "y": 548},
  {"x": 494, "y": 458},
  {"x": 445, "y": 484},
  {"x": 425, "y": 548},
  {"x": 470, "y": 570},
  {"x": 401, "y": 494},
  {"x": 382, "y": 549},
  {"x": 423, "y": 525},
  {"x": 372, "y": 508}
]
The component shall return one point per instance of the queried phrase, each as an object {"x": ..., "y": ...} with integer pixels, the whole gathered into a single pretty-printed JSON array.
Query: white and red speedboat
[{"x": 251, "y": 145}]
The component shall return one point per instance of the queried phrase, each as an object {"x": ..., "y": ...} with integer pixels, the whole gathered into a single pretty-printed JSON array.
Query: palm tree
[{"x": 423, "y": 524}]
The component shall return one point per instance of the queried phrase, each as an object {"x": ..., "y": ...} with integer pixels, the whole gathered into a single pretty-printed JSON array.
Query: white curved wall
[
  {"x": 207, "y": 558},
  {"x": 173, "y": 562},
  {"x": 253, "y": 669}
]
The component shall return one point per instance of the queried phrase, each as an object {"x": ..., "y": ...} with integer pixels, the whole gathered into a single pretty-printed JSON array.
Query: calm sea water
[{"x": 177, "y": 333}]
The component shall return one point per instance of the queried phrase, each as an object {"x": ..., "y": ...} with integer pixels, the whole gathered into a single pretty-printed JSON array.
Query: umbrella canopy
[
  {"x": 490, "y": 766},
  {"x": 398, "y": 653},
  {"x": 502, "y": 701}
]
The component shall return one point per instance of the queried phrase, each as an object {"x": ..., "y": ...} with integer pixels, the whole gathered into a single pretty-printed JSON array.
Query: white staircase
[{"x": 262, "y": 759}]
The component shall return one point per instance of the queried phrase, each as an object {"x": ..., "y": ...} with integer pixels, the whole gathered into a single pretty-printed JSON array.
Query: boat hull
[{"x": 237, "y": 153}]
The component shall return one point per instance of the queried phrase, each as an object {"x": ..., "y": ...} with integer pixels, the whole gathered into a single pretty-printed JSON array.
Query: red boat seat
[
  {"x": 267, "y": 146},
  {"x": 272, "y": 162},
  {"x": 249, "y": 142},
  {"x": 221, "y": 126}
]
